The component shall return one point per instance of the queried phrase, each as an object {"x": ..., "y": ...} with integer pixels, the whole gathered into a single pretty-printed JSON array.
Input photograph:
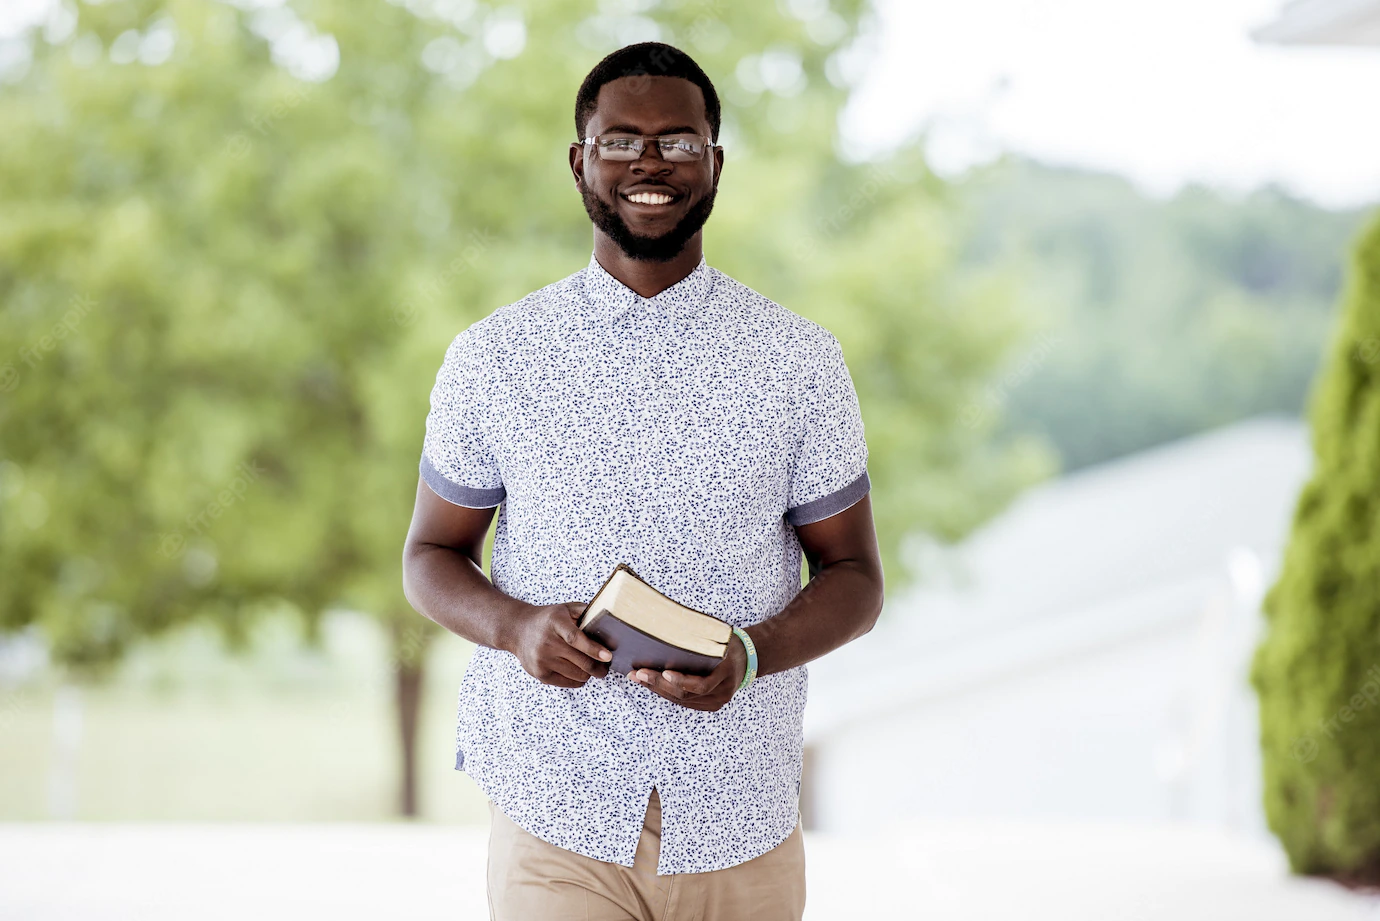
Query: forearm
[
  {"x": 837, "y": 606},
  {"x": 449, "y": 587}
]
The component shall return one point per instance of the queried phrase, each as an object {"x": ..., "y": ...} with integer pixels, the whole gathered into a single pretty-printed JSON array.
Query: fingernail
[{"x": 605, "y": 654}]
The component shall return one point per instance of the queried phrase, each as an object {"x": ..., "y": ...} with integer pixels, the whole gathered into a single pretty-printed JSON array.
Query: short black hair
[{"x": 649, "y": 59}]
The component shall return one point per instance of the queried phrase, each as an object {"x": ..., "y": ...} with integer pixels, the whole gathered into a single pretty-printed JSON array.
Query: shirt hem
[
  {"x": 713, "y": 867},
  {"x": 482, "y": 781}
]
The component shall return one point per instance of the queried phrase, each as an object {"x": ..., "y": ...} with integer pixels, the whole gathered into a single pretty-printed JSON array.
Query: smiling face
[{"x": 649, "y": 207}]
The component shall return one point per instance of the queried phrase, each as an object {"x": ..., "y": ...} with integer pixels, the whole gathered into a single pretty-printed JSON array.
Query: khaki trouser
[{"x": 532, "y": 880}]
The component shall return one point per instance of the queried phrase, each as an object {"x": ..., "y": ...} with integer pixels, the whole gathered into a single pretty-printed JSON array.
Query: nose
[{"x": 651, "y": 161}]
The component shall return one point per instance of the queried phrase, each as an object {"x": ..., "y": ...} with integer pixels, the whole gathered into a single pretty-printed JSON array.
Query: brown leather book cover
[{"x": 633, "y": 648}]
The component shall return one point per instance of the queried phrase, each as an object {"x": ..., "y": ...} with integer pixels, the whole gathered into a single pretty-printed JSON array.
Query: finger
[
  {"x": 658, "y": 686},
  {"x": 581, "y": 641},
  {"x": 693, "y": 685},
  {"x": 573, "y": 646},
  {"x": 577, "y": 659},
  {"x": 665, "y": 688},
  {"x": 569, "y": 671},
  {"x": 554, "y": 677},
  {"x": 585, "y": 664},
  {"x": 675, "y": 680}
]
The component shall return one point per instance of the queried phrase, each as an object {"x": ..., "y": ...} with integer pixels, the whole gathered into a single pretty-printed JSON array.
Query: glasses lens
[
  {"x": 616, "y": 147},
  {"x": 681, "y": 147}
]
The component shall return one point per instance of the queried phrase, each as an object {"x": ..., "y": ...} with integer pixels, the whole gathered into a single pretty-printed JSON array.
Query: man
[{"x": 646, "y": 410}]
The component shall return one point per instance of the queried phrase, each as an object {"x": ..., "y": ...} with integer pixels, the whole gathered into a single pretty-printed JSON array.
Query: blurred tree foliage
[
  {"x": 1163, "y": 318},
  {"x": 236, "y": 241},
  {"x": 1318, "y": 669}
]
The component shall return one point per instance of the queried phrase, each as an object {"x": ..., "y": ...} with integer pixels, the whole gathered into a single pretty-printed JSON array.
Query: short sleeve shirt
[{"x": 685, "y": 435}]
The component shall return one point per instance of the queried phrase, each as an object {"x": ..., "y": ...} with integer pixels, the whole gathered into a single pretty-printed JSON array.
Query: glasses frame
[{"x": 642, "y": 140}]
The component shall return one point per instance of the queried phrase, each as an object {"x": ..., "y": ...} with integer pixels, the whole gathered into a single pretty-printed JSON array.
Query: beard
[{"x": 647, "y": 249}]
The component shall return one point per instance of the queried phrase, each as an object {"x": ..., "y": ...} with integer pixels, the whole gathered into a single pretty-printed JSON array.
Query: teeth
[{"x": 650, "y": 198}]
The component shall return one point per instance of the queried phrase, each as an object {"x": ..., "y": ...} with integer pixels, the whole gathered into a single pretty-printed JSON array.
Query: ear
[
  {"x": 718, "y": 160},
  {"x": 577, "y": 162}
]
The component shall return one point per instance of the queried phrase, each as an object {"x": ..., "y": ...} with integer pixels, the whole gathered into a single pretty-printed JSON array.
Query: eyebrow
[{"x": 633, "y": 129}]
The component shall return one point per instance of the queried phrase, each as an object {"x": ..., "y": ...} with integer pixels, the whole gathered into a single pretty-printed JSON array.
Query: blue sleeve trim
[
  {"x": 456, "y": 494},
  {"x": 831, "y": 504}
]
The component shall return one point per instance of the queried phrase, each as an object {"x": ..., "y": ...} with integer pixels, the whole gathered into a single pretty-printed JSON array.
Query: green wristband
[{"x": 751, "y": 672}]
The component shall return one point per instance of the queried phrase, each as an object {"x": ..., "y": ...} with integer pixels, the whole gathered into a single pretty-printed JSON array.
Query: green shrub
[{"x": 1317, "y": 670}]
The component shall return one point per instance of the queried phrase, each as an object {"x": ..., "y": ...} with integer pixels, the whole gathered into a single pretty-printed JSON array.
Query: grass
[{"x": 189, "y": 733}]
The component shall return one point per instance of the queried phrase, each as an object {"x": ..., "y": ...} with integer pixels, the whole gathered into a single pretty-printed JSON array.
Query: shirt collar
[{"x": 611, "y": 298}]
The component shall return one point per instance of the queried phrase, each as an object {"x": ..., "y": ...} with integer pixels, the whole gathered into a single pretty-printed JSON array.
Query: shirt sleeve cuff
[
  {"x": 456, "y": 494},
  {"x": 832, "y": 504}
]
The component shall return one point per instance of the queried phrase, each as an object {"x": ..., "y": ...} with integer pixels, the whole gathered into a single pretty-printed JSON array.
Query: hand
[
  {"x": 708, "y": 692},
  {"x": 554, "y": 650}
]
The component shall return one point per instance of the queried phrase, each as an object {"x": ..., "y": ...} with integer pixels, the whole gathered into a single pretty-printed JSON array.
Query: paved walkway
[{"x": 951, "y": 871}]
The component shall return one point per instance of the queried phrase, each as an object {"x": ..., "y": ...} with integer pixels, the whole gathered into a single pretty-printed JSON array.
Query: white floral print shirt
[{"x": 683, "y": 434}]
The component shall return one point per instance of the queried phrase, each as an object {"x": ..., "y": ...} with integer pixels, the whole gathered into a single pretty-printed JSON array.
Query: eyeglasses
[{"x": 674, "y": 148}]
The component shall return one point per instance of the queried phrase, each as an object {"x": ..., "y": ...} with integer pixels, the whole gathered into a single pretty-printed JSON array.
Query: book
[{"x": 645, "y": 629}]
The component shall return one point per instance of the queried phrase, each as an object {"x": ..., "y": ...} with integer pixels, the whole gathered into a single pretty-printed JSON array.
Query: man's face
[{"x": 647, "y": 106}]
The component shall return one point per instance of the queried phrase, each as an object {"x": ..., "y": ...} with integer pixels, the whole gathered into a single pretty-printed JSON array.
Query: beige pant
[{"x": 533, "y": 880}]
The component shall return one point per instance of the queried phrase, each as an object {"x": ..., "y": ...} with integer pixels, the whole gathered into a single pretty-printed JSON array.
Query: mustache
[{"x": 636, "y": 246}]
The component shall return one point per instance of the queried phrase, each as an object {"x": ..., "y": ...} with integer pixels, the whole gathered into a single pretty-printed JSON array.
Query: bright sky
[{"x": 1163, "y": 91}]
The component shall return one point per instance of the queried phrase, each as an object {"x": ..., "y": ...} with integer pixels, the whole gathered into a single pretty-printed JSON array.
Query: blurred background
[{"x": 1088, "y": 262}]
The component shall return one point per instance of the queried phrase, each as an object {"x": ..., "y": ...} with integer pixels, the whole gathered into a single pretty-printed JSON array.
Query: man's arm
[
  {"x": 443, "y": 578},
  {"x": 840, "y": 603}
]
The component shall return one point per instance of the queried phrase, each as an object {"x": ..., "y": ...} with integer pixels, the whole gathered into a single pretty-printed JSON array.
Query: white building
[
  {"x": 1324, "y": 22},
  {"x": 1084, "y": 656}
]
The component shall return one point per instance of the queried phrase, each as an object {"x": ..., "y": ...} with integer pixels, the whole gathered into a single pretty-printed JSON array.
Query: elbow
[
  {"x": 873, "y": 600},
  {"x": 874, "y": 614},
  {"x": 410, "y": 587}
]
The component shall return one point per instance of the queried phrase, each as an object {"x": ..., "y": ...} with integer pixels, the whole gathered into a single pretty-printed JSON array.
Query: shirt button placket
[
  {"x": 642, "y": 394},
  {"x": 655, "y": 355}
]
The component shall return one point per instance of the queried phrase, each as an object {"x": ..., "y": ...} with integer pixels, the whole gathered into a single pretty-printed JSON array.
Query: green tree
[
  {"x": 1165, "y": 317},
  {"x": 1318, "y": 669},
  {"x": 235, "y": 244}
]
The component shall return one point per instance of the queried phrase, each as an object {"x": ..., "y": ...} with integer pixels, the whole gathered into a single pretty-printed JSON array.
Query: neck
[{"x": 647, "y": 278}]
